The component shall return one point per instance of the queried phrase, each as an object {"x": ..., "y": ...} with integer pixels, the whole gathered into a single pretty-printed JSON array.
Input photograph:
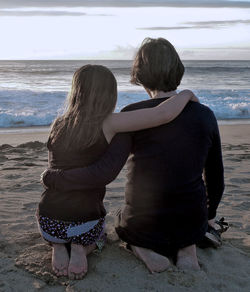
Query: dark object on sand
[{"x": 212, "y": 237}]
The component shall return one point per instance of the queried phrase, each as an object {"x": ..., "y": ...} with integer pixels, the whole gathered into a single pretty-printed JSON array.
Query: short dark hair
[{"x": 157, "y": 66}]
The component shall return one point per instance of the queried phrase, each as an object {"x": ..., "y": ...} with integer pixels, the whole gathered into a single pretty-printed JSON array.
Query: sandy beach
[{"x": 25, "y": 257}]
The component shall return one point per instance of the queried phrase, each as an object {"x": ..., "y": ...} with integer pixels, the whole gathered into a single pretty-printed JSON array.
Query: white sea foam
[
  {"x": 23, "y": 108},
  {"x": 28, "y": 108}
]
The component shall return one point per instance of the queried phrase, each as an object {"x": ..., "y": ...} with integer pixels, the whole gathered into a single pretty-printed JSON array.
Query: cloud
[
  {"x": 118, "y": 53},
  {"x": 223, "y": 53},
  {"x": 123, "y": 3},
  {"x": 199, "y": 25},
  {"x": 42, "y": 12},
  {"x": 218, "y": 23},
  {"x": 227, "y": 53},
  {"x": 164, "y": 27}
]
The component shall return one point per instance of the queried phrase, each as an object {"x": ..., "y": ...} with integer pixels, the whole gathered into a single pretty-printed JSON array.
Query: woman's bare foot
[
  {"x": 60, "y": 259},
  {"x": 78, "y": 264},
  {"x": 187, "y": 259},
  {"x": 153, "y": 261}
]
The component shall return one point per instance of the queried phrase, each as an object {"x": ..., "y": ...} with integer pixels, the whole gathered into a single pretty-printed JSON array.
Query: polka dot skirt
[{"x": 58, "y": 229}]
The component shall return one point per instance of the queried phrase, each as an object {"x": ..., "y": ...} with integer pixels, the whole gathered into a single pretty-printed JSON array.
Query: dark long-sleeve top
[
  {"x": 165, "y": 191},
  {"x": 166, "y": 197},
  {"x": 67, "y": 201}
]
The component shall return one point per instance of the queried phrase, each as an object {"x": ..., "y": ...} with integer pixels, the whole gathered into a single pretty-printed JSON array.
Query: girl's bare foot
[
  {"x": 187, "y": 259},
  {"x": 78, "y": 264},
  {"x": 153, "y": 261},
  {"x": 60, "y": 259}
]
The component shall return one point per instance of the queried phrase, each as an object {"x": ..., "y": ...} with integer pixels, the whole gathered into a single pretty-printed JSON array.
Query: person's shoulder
[
  {"x": 202, "y": 108},
  {"x": 203, "y": 113},
  {"x": 140, "y": 104}
]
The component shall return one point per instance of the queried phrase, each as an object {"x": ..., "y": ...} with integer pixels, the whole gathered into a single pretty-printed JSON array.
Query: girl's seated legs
[{"x": 83, "y": 237}]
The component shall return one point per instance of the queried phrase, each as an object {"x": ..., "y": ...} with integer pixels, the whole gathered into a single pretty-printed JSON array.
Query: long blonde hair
[{"x": 92, "y": 98}]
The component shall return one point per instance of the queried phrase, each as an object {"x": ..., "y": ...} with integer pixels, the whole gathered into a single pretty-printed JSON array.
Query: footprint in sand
[
  {"x": 30, "y": 164},
  {"x": 32, "y": 145},
  {"x": 12, "y": 176},
  {"x": 18, "y": 158},
  {"x": 234, "y": 159},
  {"x": 3, "y": 158},
  {"x": 36, "y": 259},
  {"x": 16, "y": 150},
  {"x": 5, "y": 146},
  {"x": 14, "y": 168},
  {"x": 244, "y": 205},
  {"x": 29, "y": 206}
]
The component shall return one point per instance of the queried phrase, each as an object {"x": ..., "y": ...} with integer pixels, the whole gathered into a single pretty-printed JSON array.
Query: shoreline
[
  {"x": 230, "y": 133},
  {"x": 43, "y": 129}
]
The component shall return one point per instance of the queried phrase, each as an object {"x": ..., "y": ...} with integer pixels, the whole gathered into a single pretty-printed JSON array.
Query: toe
[
  {"x": 71, "y": 276},
  {"x": 55, "y": 270},
  {"x": 80, "y": 276},
  {"x": 61, "y": 273}
]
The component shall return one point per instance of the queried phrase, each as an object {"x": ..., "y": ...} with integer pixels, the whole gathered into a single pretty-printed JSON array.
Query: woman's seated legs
[
  {"x": 153, "y": 261},
  {"x": 187, "y": 258}
]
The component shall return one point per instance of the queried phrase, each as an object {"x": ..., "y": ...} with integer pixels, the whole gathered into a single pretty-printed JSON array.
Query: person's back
[
  {"x": 86, "y": 205},
  {"x": 165, "y": 200}
]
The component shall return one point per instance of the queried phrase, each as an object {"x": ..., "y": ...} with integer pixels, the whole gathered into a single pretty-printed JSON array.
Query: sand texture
[{"x": 25, "y": 257}]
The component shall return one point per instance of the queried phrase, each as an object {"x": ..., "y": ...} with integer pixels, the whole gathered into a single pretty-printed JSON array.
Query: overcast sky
[{"x": 114, "y": 29}]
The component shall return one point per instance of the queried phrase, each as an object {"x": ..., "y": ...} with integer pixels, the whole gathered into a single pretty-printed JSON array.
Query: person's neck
[{"x": 160, "y": 94}]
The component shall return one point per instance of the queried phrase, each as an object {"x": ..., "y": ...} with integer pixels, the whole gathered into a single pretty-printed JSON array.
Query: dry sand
[{"x": 25, "y": 258}]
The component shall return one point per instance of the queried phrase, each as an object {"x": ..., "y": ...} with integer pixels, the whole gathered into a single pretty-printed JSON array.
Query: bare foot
[
  {"x": 187, "y": 259},
  {"x": 78, "y": 264},
  {"x": 153, "y": 261},
  {"x": 60, "y": 259}
]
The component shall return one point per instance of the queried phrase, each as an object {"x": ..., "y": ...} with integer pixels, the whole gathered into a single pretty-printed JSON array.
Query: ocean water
[{"x": 32, "y": 93}]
